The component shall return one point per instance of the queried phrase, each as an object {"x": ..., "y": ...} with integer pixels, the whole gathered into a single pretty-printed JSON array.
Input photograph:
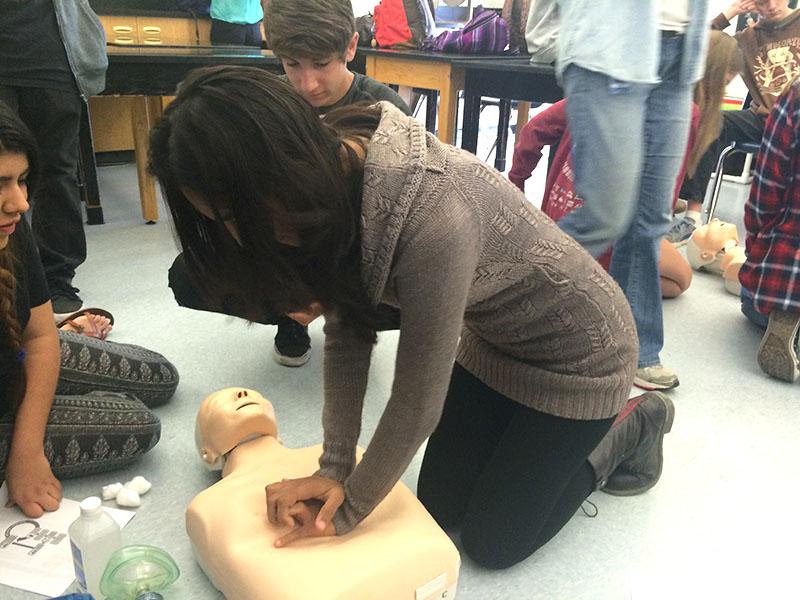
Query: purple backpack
[{"x": 485, "y": 33}]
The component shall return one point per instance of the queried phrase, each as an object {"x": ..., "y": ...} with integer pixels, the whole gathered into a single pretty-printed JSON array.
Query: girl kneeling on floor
[
  {"x": 516, "y": 351},
  {"x": 69, "y": 404}
]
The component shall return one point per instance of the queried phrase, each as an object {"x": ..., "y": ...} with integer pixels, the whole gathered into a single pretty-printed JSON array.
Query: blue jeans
[
  {"x": 629, "y": 142},
  {"x": 749, "y": 311}
]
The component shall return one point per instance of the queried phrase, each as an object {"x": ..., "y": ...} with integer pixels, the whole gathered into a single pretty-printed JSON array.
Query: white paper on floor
[{"x": 35, "y": 553}]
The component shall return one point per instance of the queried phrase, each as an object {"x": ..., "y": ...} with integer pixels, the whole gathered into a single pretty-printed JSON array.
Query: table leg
[
  {"x": 448, "y": 105},
  {"x": 472, "y": 113},
  {"x": 146, "y": 109},
  {"x": 523, "y": 114},
  {"x": 502, "y": 135},
  {"x": 87, "y": 172},
  {"x": 431, "y": 107}
]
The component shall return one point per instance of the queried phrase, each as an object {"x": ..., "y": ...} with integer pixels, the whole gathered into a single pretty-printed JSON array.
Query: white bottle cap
[{"x": 91, "y": 506}]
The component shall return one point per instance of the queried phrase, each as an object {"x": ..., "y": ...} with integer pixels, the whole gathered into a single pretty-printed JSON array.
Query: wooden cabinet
[
  {"x": 121, "y": 30},
  {"x": 156, "y": 31},
  {"x": 170, "y": 32},
  {"x": 111, "y": 116}
]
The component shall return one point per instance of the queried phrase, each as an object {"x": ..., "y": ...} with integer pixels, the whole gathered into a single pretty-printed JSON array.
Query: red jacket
[{"x": 550, "y": 127}]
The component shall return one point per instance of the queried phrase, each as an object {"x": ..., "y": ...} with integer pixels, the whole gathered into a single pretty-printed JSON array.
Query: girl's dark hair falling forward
[
  {"x": 15, "y": 138},
  {"x": 245, "y": 142}
]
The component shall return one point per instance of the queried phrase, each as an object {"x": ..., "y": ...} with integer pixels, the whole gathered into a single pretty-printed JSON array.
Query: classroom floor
[{"x": 720, "y": 524}]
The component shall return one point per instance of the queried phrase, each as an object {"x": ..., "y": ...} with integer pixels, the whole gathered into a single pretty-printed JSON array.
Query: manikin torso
[{"x": 398, "y": 551}]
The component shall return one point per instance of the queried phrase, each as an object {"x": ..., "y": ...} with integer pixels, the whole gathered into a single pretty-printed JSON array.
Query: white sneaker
[{"x": 657, "y": 377}]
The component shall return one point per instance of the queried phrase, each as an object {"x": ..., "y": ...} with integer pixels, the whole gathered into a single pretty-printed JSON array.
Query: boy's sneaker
[
  {"x": 680, "y": 206},
  {"x": 292, "y": 344},
  {"x": 657, "y": 377},
  {"x": 65, "y": 299},
  {"x": 681, "y": 231},
  {"x": 777, "y": 354}
]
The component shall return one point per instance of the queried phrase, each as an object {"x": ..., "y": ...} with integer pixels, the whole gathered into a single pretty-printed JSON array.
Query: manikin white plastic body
[{"x": 398, "y": 551}]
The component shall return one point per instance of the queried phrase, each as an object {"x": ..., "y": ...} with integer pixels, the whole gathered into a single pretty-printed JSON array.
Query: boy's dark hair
[
  {"x": 309, "y": 28},
  {"x": 247, "y": 142}
]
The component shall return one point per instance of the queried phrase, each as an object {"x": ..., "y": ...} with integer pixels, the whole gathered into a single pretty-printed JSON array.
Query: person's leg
[
  {"x": 89, "y": 364},
  {"x": 91, "y": 433},
  {"x": 606, "y": 120},
  {"x": 634, "y": 264},
  {"x": 675, "y": 272},
  {"x": 253, "y": 35},
  {"x": 57, "y": 215},
  {"x": 473, "y": 420},
  {"x": 227, "y": 34},
  {"x": 780, "y": 347},
  {"x": 737, "y": 126},
  {"x": 749, "y": 311},
  {"x": 534, "y": 482}
]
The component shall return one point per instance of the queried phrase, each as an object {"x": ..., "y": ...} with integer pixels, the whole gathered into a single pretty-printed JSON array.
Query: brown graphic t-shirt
[{"x": 771, "y": 53}]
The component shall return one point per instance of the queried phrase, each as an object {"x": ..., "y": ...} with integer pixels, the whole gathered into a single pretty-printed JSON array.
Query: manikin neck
[{"x": 250, "y": 452}]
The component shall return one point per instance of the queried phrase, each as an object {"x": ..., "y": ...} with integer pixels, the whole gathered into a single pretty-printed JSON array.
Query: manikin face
[
  {"x": 13, "y": 193},
  {"x": 321, "y": 81},
  {"x": 773, "y": 10},
  {"x": 229, "y": 417}
]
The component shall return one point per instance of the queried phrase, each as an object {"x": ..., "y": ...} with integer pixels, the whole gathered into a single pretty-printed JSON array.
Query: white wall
[{"x": 362, "y": 7}]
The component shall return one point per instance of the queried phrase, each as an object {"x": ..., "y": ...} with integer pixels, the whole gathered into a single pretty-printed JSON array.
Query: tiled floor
[{"x": 720, "y": 524}]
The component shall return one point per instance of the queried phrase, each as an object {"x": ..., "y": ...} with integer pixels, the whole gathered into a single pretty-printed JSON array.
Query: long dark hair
[
  {"x": 15, "y": 138},
  {"x": 247, "y": 143}
]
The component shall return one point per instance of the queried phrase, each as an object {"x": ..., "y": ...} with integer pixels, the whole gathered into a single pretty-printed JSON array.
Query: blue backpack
[{"x": 196, "y": 7}]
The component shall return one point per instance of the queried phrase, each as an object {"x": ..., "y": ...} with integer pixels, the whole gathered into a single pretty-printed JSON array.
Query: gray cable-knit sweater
[{"x": 481, "y": 277}]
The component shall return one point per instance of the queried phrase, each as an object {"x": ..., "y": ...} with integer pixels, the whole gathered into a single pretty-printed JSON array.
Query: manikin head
[
  {"x": 229, "y": 417},
  {"x": 708, "y": 243}
]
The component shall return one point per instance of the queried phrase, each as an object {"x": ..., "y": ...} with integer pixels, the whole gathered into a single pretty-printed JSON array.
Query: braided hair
[{"x": 15, "y": 138}]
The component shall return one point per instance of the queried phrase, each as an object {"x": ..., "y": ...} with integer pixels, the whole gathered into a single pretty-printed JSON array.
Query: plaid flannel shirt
[{"x": 772, "y": 215}]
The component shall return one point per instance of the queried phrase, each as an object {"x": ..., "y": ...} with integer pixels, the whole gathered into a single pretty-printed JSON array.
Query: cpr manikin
[
  {"x": 709, "y": 244},
  {"x": 398, "y": 551}
]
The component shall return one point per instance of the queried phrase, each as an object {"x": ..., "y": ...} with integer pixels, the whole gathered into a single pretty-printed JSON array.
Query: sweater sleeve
[
  {"x": 544, "y": 129},
  {"x": 432, "y": 277},
  {"x": 720, "y": 22},
  {"x": 345, "y": 372}
]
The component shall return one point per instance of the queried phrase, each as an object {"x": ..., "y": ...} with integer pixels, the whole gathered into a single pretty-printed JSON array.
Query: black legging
[
  {"x": 737, "y": 126},
  {"x": 507, "y": 475}
]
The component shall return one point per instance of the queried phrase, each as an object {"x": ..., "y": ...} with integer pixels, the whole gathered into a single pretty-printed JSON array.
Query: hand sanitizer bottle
[{"x": 94, "y": 537}]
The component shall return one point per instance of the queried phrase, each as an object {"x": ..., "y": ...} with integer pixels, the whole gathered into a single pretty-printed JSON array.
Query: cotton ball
[
  {"x": 128, "y": 497},
  {"x": 139, "y": 484},
  {"x": 111, "y": 490}
]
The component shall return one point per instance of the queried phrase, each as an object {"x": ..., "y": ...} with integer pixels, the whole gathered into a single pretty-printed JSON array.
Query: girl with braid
[{"x": 69, "y": 404}]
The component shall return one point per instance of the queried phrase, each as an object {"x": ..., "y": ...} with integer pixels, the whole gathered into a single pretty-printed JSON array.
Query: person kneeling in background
[
  {"x": 549, "y": 128},
  {"x": 770, "y": 276}
]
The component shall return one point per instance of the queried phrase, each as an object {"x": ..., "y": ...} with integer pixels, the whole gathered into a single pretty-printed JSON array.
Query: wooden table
[
  {"x": 148, "y": 73},
  {"x": 428, "y": 70},
  {"x": 507, "y": 79}
]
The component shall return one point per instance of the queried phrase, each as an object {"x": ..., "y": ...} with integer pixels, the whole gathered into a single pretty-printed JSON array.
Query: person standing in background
[
  {"x": 52, "y": 58},
  {"x": 628, "y": 82},
  {"x": 236, "y": 22}
]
